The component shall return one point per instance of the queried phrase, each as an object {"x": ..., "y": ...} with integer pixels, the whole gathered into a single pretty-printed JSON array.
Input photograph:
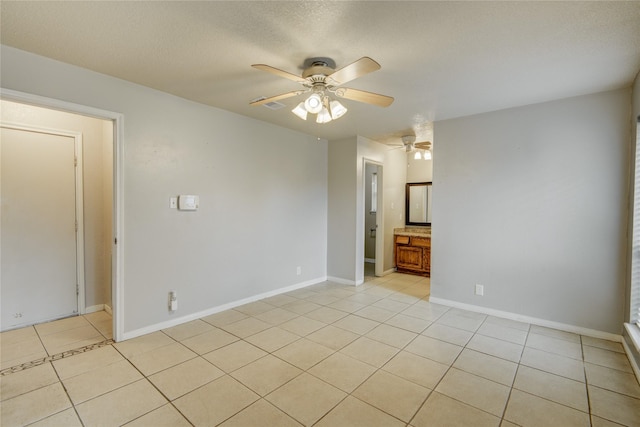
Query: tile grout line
[
  {"x": 586, "y": 381},
  {"x": 348, "y": 394},
  {"x": 377, "y": 369},
  {"x": 58, "y": 356},
  {"x": 515, "y": 375},
  {"x": 447, "y": 371},
  {"x": 169, "y": 401},
  {"x": 73, "y": 405}
]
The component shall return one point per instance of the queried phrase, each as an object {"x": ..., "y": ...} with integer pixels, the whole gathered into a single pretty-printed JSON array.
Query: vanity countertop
[{"x": 413, "y": 231}]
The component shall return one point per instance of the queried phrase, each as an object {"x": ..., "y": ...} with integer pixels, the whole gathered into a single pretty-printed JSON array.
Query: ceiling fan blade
[
  {"x": 362, "y": 66},
  {"x": 277, "y": 97},
  {"x": 279, "y": 72},
  {"x": 363, "y": 96},
  {"x": 425, "y": 145}
]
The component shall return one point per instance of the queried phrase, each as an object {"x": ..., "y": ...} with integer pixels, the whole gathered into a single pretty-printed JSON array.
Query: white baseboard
[
  {"x": 342, "y": 281},
  {"x": 370, "y": 260},
  {"x": 93, "y": 308},
  {"x": 527, "y": 319},
  {"x": 193, "y": 316},
  {"x": 98, "y": 307},
  {"x": 387, "y": 272}
]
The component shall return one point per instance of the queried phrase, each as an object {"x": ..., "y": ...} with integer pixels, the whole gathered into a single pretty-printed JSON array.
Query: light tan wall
[{"x": 97, "y": 188}]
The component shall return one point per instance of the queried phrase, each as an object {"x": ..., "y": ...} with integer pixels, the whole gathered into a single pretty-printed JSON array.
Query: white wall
[
  {"x": 262, "y": 188},
  {"x": 96, "y": 186},
  {"x": 531, "y": 203},
  {"x": 341, "y": 252},
  {"x": 419, "y": 170}
]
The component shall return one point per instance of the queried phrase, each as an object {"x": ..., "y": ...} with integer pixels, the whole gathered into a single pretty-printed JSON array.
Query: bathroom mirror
[{"x": 418, "y": 203}]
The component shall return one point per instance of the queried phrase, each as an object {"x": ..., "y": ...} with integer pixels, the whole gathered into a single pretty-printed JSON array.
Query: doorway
[
  {"x": 100, "y": 133},
  {"x": 41, "y": 231},
  {"x": 373, "y": 234}
]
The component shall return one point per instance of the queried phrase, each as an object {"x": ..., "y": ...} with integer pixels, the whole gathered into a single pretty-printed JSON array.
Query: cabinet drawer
[
  {"x": 423, "y": 242},
  {"x": 402, "y": 240}
]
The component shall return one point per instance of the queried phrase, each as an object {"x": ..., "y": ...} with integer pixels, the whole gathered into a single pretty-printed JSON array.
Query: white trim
[
  {"x": 370, "y": 260},
  {"x": 342, "y": 281},
  {"x": 94, "y": 308},
  {"x": 79, "y": 175},
  {"x": 387, "y": 272},
  {"x": 527, "y": 319},
  {"x": 634, "y": 333},
  {"x": 117, "y": 284},
  {"x": 108, "y": 310},
  {"x": 193, "y": 316},
  {"x": 379, "y": 249},
  {"x": 78, "y": 197}
]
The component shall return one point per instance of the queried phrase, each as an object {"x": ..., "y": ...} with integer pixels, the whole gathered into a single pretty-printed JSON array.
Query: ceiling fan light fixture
[
  {"x": 337, "y": 109},
  {"x": 427, "y": 155},
  {"x": 321, "y": 78},
  {"x": 313, "y": 104},
  {"x": 300, "y": 111},
  {"x": 323, "y": 116},
  {"x": 417, "y": 156}
]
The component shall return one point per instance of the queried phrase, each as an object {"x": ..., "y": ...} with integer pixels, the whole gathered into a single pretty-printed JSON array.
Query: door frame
[
  {"x": 79, "y": 199},
  {"x": 117, "y": 276},
  {"x": 379, "y": 264}
]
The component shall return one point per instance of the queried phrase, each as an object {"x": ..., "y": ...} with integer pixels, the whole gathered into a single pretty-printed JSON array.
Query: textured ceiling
[{"x": 439, "y": 59}]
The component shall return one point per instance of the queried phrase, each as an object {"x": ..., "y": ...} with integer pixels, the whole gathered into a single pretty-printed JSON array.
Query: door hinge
[
  {"x": 115, "y": 241},
  {"x": 76, "y": 225},
  {"x": 75, "y": 161},
  {"x": 77, "y": 289}
]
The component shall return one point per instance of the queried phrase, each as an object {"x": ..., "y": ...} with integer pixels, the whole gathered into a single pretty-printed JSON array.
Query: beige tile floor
[{"x": 328, "y": 355}]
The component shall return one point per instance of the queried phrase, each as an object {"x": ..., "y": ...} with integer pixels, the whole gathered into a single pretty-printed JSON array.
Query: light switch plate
[{"x": 188, "y": 202}]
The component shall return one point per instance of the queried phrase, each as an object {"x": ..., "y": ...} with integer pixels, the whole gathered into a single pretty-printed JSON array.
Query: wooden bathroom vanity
[{"x": 413, "y": 250}]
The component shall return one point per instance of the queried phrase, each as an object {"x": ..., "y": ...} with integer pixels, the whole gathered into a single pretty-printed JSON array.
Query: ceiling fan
[
  {"x": 321, "y": 79},
  {"x": 409, "y": 144}
]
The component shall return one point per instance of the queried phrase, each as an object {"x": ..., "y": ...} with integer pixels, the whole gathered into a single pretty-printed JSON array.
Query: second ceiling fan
[{"x": 320, "y": 79}]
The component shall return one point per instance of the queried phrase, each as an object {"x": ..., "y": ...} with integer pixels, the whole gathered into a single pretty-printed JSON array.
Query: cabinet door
[
  {"x": 426, "y": 261},
  {"x": 409, "y": 257}
]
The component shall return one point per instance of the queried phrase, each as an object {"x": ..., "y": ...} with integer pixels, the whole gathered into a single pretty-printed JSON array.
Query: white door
[{"x": 38, "y": 227}]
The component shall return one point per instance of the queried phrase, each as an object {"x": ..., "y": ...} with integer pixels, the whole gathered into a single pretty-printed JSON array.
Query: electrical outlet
[
  {"x": 173, "y": 202},
  {"x": 479, "y": 290},
  {"x": 173, "y": 301},
  {"x": 298, "y": 271}
]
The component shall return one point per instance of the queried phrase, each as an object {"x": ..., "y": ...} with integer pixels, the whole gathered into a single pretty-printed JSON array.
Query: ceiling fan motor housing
[
  {"x": 320, "y": 67},
  {"x": 408, "y": 139}
]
